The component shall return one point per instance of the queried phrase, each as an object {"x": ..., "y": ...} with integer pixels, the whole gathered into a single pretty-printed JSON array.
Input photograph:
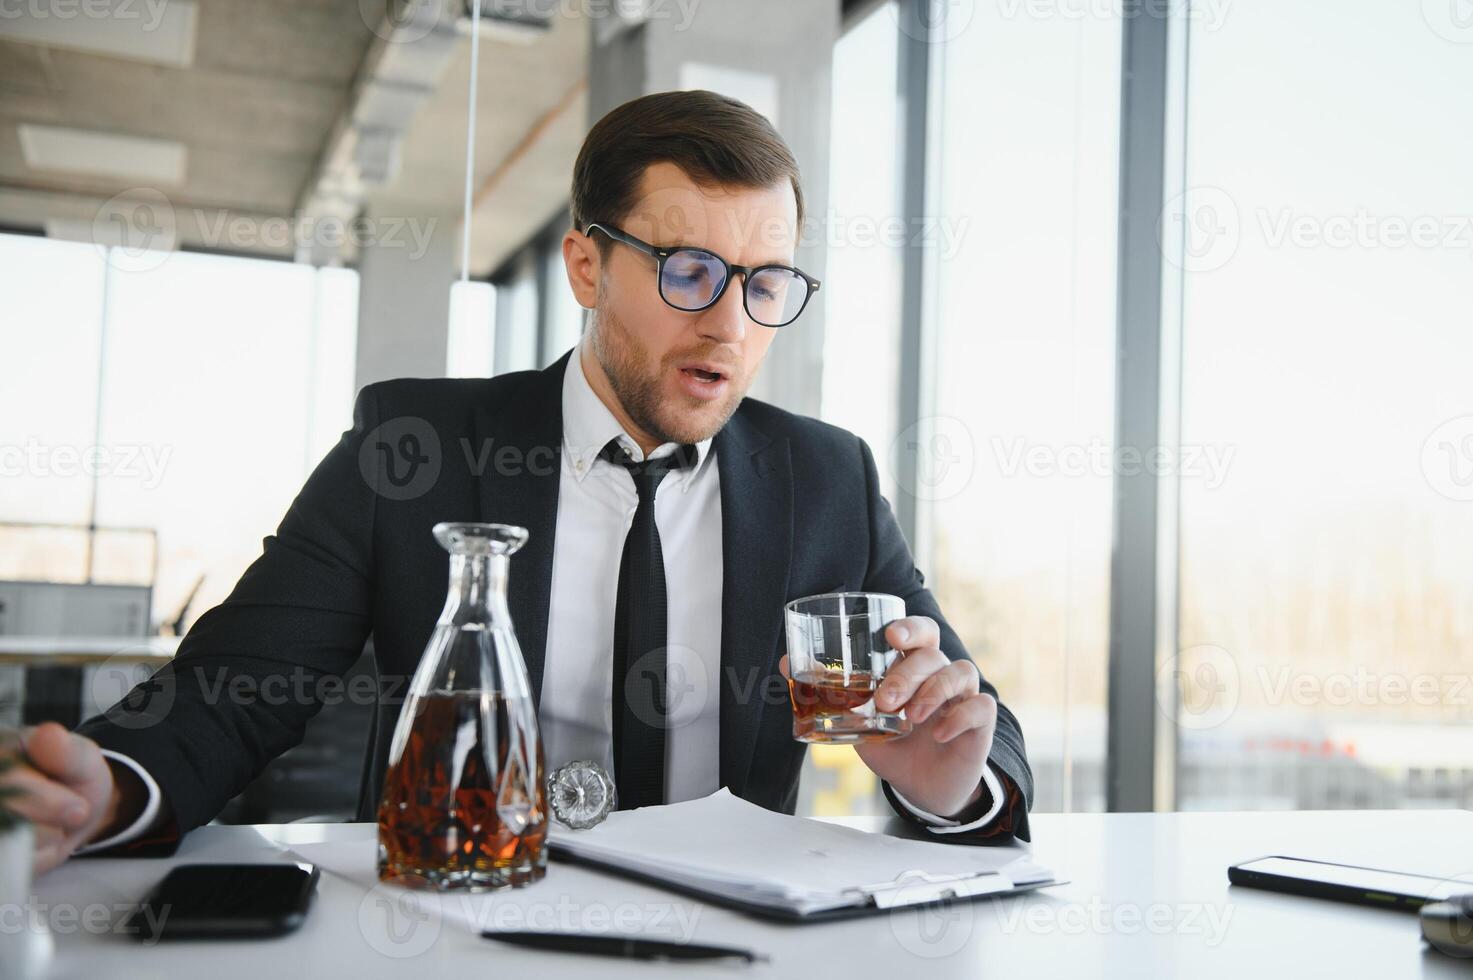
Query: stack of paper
[{"x": 724, "y": 846}]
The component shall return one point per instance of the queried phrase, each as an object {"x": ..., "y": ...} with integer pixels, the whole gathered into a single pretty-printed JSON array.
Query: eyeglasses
[{"x": 693, "y": 279}]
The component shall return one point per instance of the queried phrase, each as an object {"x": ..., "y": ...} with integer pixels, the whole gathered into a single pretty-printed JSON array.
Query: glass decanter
[{"x": 464, "y": 803}]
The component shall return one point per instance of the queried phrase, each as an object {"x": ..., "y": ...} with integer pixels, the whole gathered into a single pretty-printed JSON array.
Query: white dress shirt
[{"x": 596, "y": 504}]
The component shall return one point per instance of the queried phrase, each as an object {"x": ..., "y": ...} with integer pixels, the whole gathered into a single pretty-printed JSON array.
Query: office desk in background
[
  {"x": 68, "y": 678},
  {"x": 1147, "y": 896}
]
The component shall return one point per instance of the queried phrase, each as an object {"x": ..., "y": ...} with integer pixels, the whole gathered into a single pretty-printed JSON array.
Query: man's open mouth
[{"x": 701, "y": 374}]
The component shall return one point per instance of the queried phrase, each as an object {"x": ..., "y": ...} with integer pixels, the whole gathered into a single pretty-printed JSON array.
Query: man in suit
[{"x": 635, "y": 462}]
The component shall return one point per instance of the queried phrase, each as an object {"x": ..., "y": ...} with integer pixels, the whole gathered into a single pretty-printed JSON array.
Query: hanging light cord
[{"x": 470, "y": 145}]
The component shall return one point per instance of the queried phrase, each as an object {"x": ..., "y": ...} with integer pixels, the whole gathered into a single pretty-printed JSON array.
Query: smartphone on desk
[
  {"x": 227, "y": 901},
  {"x": 1345, "y": 882}
]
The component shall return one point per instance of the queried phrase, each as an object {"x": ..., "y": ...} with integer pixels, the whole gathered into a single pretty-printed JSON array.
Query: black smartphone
[
  {"x": 226, "y": 901},
  {"x": 1345, "y": 882}
]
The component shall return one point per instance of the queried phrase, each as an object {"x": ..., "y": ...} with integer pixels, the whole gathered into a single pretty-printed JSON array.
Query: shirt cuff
[
  {"x": 144, "y": 822},
  {"x": 945, "y": 825}
]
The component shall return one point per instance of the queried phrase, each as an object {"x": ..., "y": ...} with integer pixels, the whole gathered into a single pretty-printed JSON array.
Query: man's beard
[{"x": 624, "y": 359}]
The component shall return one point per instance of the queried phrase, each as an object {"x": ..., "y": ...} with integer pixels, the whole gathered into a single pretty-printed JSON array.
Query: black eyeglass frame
[{"x": 661, "y": 253}]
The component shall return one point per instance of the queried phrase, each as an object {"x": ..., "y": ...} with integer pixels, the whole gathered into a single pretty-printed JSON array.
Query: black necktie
[{"x": 640, "y": 706}]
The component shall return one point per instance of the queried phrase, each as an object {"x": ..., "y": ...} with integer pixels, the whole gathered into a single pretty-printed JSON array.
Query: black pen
[{"x": 625, "y": 947}]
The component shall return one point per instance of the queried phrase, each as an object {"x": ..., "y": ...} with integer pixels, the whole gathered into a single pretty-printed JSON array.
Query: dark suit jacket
[{"x": 801, "y": 514}]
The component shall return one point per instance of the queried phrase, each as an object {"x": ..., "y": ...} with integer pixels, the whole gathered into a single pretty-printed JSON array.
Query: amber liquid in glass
[
  {"x": 448, "y": 821},
  {"x": 830, "y": 706}
]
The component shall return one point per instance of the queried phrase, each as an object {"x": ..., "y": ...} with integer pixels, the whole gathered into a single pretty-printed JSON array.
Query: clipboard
[
  {"x": 729, "y": 852},
  {"x": 869, "y": 900}
]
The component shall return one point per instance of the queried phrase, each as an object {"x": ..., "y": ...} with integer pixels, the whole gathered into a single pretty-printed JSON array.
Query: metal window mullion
[
  {"x": 918, "y": 74},
  {"x": 1168, "y": 522},
  {"x": 1131, "y": 733},
  {"x": 544, "y": 285}
]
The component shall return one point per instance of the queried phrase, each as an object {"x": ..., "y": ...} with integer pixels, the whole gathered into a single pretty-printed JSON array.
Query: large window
[
  {"x": 861, "y": 350},
  {"x": 1317, "y": 513},
  {"x": 537, "y": 317},
  {"x": 562, "y": 317},
  {"x": 517, "y": 306},
  {"x": 1018, "y": 472},
  {"x": 1014, "y": 469},
  {"x": 53, "y": 298},
  {"x": 197, "y": 394},
  {"x": 865, "y": 233},
  {"x": 1326, "y": 582}
]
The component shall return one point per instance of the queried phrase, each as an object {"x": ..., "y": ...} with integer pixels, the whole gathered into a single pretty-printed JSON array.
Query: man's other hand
[
  {"x": 68, "y": 791},
  {"x": 938, "y": 766}
]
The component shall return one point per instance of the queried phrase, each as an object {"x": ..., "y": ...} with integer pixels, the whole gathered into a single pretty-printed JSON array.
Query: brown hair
[{"x": 713, "y": 138}]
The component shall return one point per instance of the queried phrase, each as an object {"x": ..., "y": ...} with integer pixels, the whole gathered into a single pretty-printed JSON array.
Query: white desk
[
  {"x": 73, "y": 651},
  {"x": 1148, "y": 897}
]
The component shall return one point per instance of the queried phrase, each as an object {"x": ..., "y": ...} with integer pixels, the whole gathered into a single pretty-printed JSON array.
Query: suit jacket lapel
[
  {"x": 756, "y": 550},
  {"x": 520, "y": 446}
]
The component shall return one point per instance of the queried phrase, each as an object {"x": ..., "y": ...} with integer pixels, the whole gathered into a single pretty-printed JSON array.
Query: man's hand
[
  {"x": 67, "y": 790},
  {"x": 939, "y": 765}
]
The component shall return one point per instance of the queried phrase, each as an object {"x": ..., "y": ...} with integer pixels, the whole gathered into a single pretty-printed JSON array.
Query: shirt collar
[{"x": 588, "y": 425}]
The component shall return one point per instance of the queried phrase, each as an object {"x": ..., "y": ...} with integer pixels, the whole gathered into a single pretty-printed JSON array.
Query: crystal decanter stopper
[{"x": 581, "y": 794}]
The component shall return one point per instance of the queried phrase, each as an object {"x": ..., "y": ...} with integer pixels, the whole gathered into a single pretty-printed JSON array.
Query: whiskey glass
[{"x": 837, "y": 656}]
